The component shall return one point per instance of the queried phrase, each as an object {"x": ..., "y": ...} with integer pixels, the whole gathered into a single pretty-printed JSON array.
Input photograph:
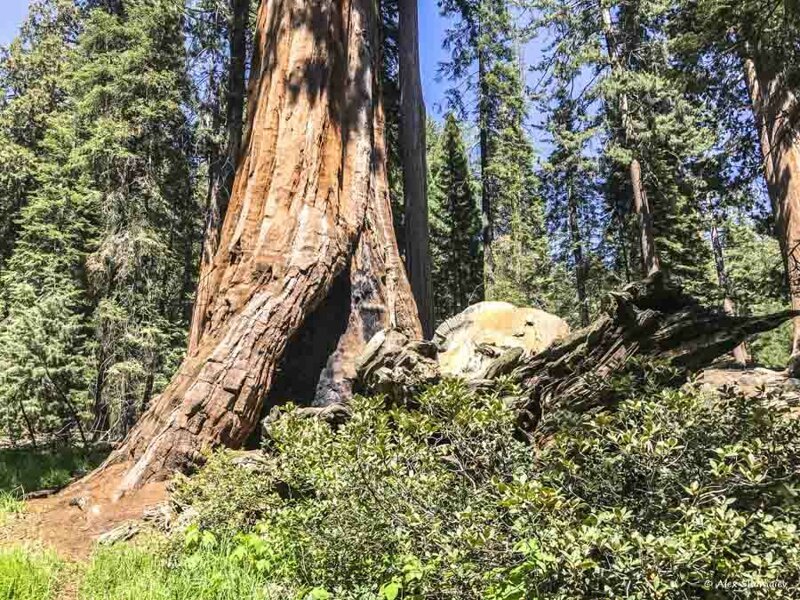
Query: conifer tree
[
  {"x": 32, "y": 84},
  {"x": 653, "y": 134},
  {"x": 455, "y": 223},
  {"x": 485, "y": 43},
  {"x": 744, "y": 56},
  {"x": 569, "y": 185},
  {"x": 105, "y": 259},
  {"x": 481, "y": 43}
]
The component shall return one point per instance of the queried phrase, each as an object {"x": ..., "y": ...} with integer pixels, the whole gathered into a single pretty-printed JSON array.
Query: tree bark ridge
[{"x": 309, "y": 202}]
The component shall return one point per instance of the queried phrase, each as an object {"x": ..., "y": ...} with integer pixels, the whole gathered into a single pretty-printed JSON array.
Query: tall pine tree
[
  {"x": 455, "y": 223},
  {"x": 99, "y": 283}
]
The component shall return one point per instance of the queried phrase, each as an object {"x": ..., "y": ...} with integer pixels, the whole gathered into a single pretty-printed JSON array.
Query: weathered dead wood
[
  {"x": 399, "y": 368},
  {"x": 646, "y": 320}
]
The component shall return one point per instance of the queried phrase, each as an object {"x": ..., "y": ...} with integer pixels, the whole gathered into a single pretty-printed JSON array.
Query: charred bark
[
  {"x": 309, "y": 203},
  {"x": 487, "y": 187}
]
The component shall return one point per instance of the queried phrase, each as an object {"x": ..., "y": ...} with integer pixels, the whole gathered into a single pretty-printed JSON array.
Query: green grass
[
  {"x": 28, "y": 470},
  {"x": 137, "y": 571},
  {"x": 29, "y": 574},
  {"x": 143, "y": 572},
  {"x": 10, "y": 504}
]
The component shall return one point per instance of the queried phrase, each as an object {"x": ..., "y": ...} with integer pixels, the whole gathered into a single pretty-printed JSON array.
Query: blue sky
[
  {"x": 432, "y": 26},
  {"x": 12, "y": 12},
  {"x": 431, "y": 35}
]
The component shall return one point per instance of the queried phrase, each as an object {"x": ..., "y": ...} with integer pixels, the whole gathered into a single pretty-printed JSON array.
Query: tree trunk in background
[
  {"x": 225, "y": 169},
  {"x": 577, "y": 256},
  {"x": 309, "y": 226},
  {"x": 641, "y": 204},
  {"x": 115, "y": 7},
  {"x": 415, "y": 167},
  {"x": 101, "y": 411},
  {"x": 487, "y": 217},
  {"x": 773, "y": 106},
  {"x": 740, "y": 353}
]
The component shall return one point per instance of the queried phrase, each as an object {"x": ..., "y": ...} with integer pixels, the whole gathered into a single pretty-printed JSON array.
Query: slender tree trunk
[
  {"x": 773, "y": 106},
  {"x": 641, "y": 207},
  {"x": 102, "y": 420},
  {"x": 487, "y": 215},
  {"x": 740, "y": 353},
  {"x": 641, "y": 203},
  {"x": 28, "y": 423},
  {"x": 415, "y": 166},
  {"x": 310, "y": 208},
  {"x": 149, "y": 382},
  {"x": 223, "y": 172},
  {"x": 127, "y": 417},
  {"x": 577, "y": 256}
]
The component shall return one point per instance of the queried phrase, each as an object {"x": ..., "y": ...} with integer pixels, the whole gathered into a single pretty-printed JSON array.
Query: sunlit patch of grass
[
  {"x": 10, "y": 504},
  {"x": 29, "y": 574},
  {"x": 145, "y": 571}
]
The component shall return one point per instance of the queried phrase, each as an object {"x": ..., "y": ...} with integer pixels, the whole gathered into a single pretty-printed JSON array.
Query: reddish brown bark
[
  {"x": 223, "y": 168},
  {"x": 641, "y": 206},
  {"x": 774, "y": 107},
  {"x": 309, "y": 207}
]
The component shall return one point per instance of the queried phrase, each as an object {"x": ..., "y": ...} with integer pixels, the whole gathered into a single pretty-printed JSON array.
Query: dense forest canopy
[
  {"x": 641, "y": 135},
  {"x": 472, "y": 343}
]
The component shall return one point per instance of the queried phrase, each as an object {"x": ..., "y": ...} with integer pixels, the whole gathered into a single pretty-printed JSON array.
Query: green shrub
[
  {"x": 28, "y": 574},
  {"x": 671, "y": 495},
  {"x": 227, "y": 498}
]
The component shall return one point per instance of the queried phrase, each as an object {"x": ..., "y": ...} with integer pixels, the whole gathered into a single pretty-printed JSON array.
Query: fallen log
[{"x": 647, "y": 320}]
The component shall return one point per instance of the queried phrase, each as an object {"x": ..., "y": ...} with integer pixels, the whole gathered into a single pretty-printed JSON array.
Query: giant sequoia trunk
[
  {"x": 223, "y": 168},
  {"x": 307, "y": 253},
  {"x": 775, "y": 110}
]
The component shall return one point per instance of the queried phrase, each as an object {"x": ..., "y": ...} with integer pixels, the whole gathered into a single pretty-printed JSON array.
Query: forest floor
[{"x": 70, "y": 521}]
